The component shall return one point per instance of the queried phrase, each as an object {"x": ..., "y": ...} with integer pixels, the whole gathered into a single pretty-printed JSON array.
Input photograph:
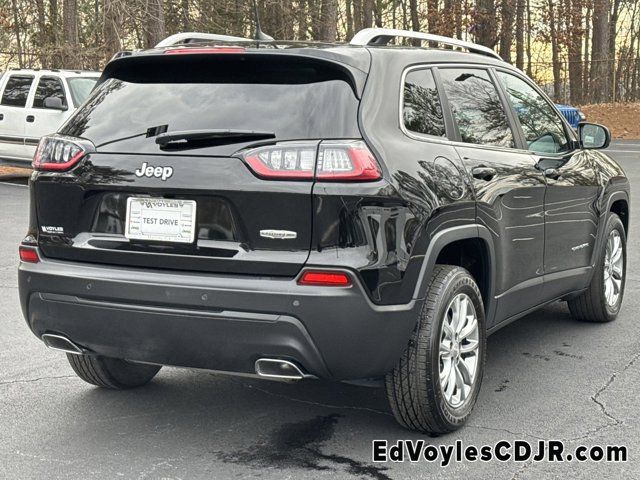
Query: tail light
[
  {"x": 29, "y": 255},
  {"x": 334, "y": 160},
  {"x": 59, "y": 152},
  {"x": 329, "y": 278}
]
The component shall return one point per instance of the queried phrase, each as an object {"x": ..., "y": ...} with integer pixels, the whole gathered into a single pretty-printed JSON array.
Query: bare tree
[
  {"x": 154, "y": 30},
  {"x": 112, "y": 21},
  {"x": 600, "y": 51},
  {"x": 485, "y": 23},
  {"x": 506, "y": 29},
  {"x": 70, "y": 29}
]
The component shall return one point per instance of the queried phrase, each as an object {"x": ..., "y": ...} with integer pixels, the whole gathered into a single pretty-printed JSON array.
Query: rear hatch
[{"x": 201, "y": 204}]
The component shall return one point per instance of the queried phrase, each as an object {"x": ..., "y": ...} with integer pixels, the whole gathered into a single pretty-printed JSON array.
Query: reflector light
[
  {"x": 325, "y": 278},
  {"x": 330, "y": 161},
  {"x": 58, "y": 152},
  {"x": 29, "y": 255},
  {"x": 187, "y": 51}
]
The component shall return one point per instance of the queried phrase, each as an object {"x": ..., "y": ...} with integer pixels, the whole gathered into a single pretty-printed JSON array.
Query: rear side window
[
  {"x": 80, "y": 88},
  {"x": 16, "y": 91},
  {"x": 476, "y": 107},
  {"x": 422, "y": 111},
  {"x": 293, "y": 100},
  {"x": 48, "y": 87}
]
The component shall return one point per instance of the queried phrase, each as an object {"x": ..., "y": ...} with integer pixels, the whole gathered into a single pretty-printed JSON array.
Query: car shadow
[{"x": 264, "y": 424}]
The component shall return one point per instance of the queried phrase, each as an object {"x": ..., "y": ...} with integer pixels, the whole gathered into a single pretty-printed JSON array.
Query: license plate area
[{"x": 160, "y": 220}]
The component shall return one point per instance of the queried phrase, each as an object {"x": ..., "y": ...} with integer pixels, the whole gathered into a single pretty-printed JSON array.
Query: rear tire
[
  {"x": 419, "y": 388},
  {"x": 111, "y": 372},
  {"x": 597, "y": 304}
]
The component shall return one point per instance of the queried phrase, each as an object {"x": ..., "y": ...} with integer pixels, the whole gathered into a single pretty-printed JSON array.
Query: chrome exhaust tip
[
  {"x": 61, "y": 344},
  {"x": 279, "y": 369}
]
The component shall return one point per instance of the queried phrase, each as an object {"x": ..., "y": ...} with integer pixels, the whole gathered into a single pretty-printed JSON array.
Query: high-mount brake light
[
  {"x": 193, "y": 50},
  {"x": 330, "y": 161},
  {"x": 329, "y": 278},
  {"x": 59, "y": 152}
]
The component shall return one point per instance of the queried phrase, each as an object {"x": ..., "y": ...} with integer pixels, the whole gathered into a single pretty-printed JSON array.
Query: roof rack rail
[
  {"x": 382, "y": 36},
  {"x": 189, "y": 37}
]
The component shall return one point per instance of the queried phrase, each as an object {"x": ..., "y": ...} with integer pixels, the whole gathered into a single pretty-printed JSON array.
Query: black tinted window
[
  {"x": 48, "y": 87},
  {"x": 422, "y": 111},
  {"x": 118, "y": 109},
  {"x": 476, "y": 107},
  {"x": 543, "y": 129},
  {"x": 16, "y": 91}
]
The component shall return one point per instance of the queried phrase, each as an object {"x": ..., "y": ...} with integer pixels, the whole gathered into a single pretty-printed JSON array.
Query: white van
[{"x": 34, "y": 103}]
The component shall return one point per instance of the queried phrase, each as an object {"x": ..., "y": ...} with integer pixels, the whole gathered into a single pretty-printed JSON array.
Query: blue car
[{"x": 573, "y": 115}]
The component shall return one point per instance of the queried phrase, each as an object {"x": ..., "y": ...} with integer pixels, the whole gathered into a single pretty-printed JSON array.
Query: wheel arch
[{"x": 467, "y": 246}]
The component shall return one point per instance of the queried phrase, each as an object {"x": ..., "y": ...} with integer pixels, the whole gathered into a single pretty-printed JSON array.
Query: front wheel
[
  {"x": 434, "y": 386},
  {"x": 601, "y": 301}
]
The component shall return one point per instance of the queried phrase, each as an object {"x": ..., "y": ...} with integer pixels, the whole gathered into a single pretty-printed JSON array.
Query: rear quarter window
[{"x": 421, "y": 110}]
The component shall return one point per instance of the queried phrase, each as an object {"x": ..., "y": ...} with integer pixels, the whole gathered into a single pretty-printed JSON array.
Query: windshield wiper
[{"x": 202, "y": 138}]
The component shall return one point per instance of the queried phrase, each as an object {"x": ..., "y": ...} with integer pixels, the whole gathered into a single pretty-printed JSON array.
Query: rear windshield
[{"x": 299, "y": 105}]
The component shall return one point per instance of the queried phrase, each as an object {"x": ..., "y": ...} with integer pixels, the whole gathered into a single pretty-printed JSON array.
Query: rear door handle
[
  {"x": 1, "y": 116},
  {"x": 30, "y": 118},
  {"x": 484, "y": 173}
]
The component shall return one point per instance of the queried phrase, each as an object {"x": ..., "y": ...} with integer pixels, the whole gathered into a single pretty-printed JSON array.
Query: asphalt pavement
[{"x": 547, "y": 377}]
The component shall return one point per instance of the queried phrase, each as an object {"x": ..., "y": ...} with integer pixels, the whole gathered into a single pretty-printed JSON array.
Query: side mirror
[
  {"x": 593, "y": 136},
  {"x": 54, "y": 103}
]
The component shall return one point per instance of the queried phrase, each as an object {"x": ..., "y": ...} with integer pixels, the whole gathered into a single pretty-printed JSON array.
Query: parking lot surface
[{"x": 547, "y": 377}]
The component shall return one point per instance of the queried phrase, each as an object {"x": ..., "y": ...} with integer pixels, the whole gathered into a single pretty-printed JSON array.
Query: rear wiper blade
[{"x": 208, "y": 137}]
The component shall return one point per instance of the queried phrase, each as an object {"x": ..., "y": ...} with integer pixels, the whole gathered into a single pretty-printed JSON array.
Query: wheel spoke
[
  {"x": 464, "y": 372},
  {"x": 446, "y": 372},
  {"x": 462, "y": 314},
  {"x": 472, "y": 325},
  {"x": 446, "y": 328},
  {"x": 470, "y": 347},
  {"x": 459, "y": 382}
]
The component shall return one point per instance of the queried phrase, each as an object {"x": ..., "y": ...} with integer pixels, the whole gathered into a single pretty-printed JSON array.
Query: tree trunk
[
  {"x": 555, "y": 53},
  {"x": 485, "y": 24},
  {"x": 112, "y": 20},
  {"x": 328, "y": 20},
  {"x": 586, "y": 72},
  {"x": 70, "y": 29},
  {"x": 613, "y": 27},
  {"x": 520, "y": 34},
  {"x": 575, "y": 52},
  {"x": 415, "y": 21},
  {"x": 506, "y": 30},
  {"x": 350, "y": 31},
  {"x": 529, "y": 70},
  {"x": 16, "y": 27},
  {"x": 433, "y": 21},
  {"x": 600, "y": 51},
  {"x": 42, "y": 34},
  {"x": 154, "y": 26}
]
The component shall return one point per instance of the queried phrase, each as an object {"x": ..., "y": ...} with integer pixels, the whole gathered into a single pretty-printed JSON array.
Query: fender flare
[{"x": 447, "y": 236}]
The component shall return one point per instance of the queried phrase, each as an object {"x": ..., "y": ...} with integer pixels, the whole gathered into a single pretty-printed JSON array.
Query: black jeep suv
[{"x": 343, "y": 212}]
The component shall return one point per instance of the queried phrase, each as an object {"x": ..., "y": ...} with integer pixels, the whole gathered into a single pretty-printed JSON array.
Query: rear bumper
[{"x": 214, "y": 322}]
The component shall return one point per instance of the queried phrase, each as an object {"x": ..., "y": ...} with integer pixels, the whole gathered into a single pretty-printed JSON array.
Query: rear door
[
  {"x": 509, "y": 189},
  {"x": 245, "y": 223},
  {"x": 13, "y": 116}
]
